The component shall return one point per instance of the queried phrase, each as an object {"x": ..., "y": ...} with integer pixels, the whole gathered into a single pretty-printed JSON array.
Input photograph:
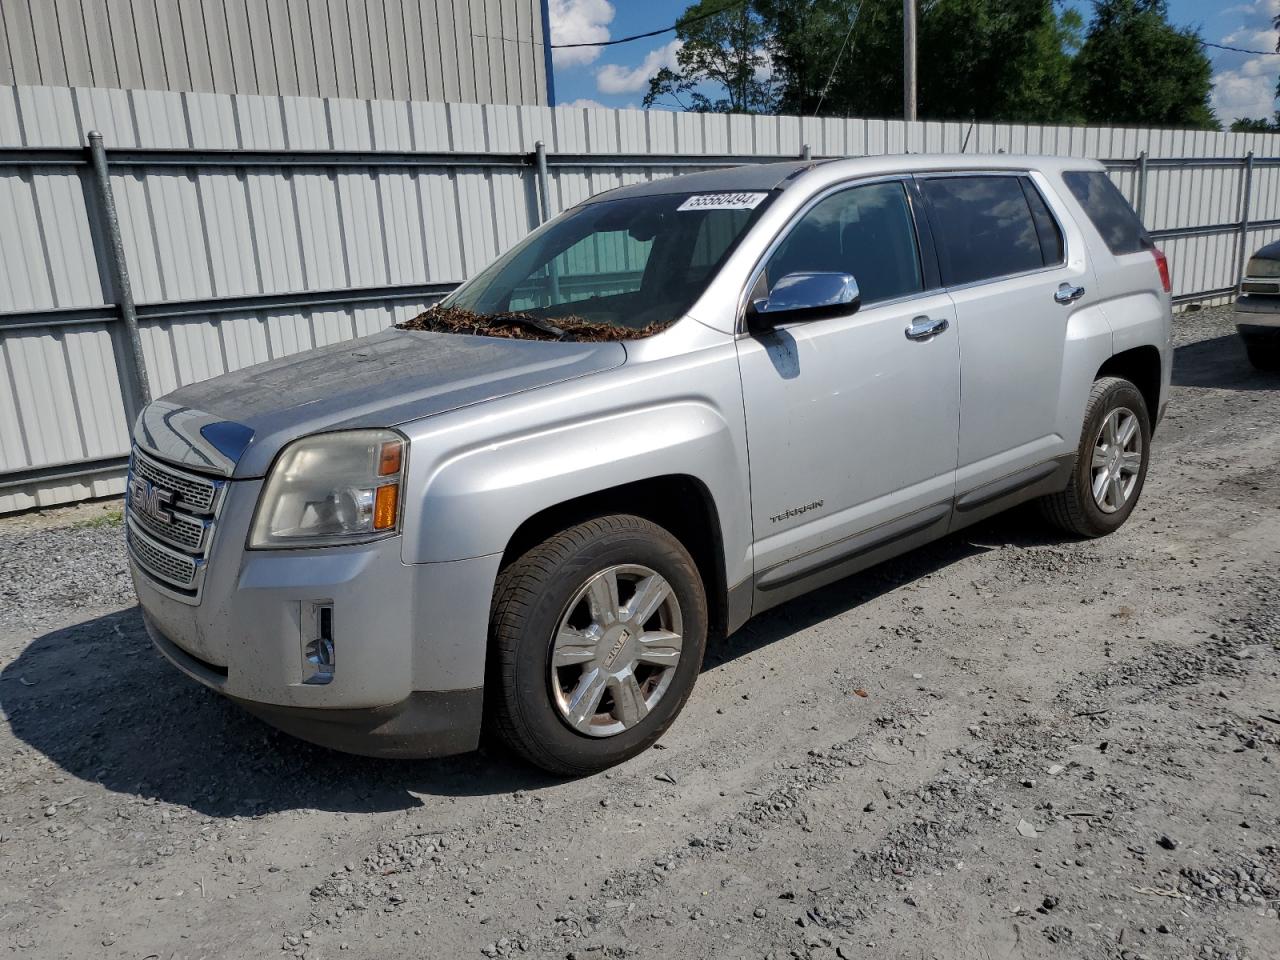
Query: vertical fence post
[
  {"x": 1141, "y": 200},
  {"x": 540, "y": 165},
  {"x": 138, "y": 390},
  {"x": 1246, "y": 197},
  {"x": 544, "y": 207}
]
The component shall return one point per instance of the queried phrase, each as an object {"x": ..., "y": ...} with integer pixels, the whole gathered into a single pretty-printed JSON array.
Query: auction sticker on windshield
[{"x": 723, "y": 201}]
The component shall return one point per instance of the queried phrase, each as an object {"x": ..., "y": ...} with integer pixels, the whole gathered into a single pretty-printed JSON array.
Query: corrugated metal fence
[{"x": 253, "y": 227}]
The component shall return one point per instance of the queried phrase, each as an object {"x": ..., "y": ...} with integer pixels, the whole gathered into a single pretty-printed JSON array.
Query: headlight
[
  {"x": 332, "y": 488},
  {"x": 1259, "y": 267}
]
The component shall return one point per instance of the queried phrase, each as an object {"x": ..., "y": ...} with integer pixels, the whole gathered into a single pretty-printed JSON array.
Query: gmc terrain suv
[{"x": 674, "y": 406}]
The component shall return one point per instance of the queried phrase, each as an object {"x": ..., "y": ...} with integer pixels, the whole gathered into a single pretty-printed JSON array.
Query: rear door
[{"x": 1003, "y": 260}]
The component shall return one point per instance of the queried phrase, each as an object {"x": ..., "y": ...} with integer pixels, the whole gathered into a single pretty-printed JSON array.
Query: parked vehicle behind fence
[
  {"x": 1258, "y": 308},
  {"x": 671, "y": 408}
]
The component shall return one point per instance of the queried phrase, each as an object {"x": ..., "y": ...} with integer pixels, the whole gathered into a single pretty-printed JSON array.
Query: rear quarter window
[{"x": 1108, "y": 211}]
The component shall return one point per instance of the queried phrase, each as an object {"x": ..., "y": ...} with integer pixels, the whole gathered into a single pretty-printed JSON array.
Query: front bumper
[
  {"x": 426, "y": 723},
  {"x": 1255, "y": 313},
  {"x": 409, "y": 639}
]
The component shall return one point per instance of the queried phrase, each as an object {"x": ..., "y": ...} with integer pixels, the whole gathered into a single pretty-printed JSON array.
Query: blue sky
[{"x": 618, "y": 76}]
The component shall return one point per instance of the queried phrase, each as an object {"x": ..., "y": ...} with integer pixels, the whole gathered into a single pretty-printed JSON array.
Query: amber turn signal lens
[
  {"x": 384, "y": 506},
  {"x": 389, "y": 459}
]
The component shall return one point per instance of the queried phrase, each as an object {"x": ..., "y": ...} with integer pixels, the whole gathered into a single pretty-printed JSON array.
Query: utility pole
[{"x": 908, "y": 59}]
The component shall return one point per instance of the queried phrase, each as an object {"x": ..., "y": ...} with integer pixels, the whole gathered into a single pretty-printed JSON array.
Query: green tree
[
  {"x": 722, "y": 65},
  {"x": 1137, "y": 68},
  {"x": 991, "y": 59}
]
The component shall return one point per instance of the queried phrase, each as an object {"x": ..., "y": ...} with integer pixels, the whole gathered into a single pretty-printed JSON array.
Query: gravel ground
[{"x": 1005, "y": 744}]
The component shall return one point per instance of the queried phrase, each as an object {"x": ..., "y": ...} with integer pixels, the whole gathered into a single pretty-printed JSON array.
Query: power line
[
  {"x": 683, "y": 21},
  {"x": 835, "y": 66},
  {"x": 1256, "y": 53}
]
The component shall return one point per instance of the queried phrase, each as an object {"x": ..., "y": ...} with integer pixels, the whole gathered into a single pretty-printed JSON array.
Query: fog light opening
[{"x": 318, "y": 645}]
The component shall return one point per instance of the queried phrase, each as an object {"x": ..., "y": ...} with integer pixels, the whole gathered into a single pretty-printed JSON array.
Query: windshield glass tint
[{"x": 630, "y": 263}]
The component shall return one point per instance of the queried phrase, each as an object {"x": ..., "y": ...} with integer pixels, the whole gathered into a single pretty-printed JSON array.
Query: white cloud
[
  {"x": 612, "y": 78},
  {"x": 579, "y": 21},
  {"x": 1245, "y": 84},
  {"x": 584, "y": 102}
]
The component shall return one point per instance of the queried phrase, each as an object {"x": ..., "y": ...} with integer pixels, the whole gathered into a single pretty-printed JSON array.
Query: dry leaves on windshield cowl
[{"x": 523, "y": 326}]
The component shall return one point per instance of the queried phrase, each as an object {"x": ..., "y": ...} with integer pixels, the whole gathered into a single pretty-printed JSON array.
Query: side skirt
[{"x": 851, "y": 555}]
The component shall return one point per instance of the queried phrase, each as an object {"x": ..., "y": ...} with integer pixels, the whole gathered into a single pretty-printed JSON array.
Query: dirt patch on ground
[{"x": 524, "y": 326}]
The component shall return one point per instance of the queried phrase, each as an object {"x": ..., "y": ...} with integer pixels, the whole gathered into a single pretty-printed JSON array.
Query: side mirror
[{"x": 804, "y": 296}]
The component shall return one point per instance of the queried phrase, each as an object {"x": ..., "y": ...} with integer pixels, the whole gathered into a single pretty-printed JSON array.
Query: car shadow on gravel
[
  {"x": 102, "y": 704},
  {"x": 1220, "y": 363},
  {"x": 99, "y": 702}
]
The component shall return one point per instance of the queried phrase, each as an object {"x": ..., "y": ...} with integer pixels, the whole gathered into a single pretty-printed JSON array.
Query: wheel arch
[
  {"x": 679, "y": 503},
  {"x": 1141, "y": 366}
]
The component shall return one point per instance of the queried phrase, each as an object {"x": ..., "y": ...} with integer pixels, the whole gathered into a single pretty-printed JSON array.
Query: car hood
[
  {"x": 235, "y": 424},
  {"x": 1270, "y": 252}
]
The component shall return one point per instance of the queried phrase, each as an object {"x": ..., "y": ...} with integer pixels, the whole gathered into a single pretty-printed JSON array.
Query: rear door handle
[
  {"x": 1068, "y": 293},
  {"x": 923, "y": 328}
]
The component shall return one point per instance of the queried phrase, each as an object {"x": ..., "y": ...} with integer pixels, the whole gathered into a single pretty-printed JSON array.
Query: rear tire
[
  {"x": 1111, "y": 462},
  {"x": 597, "y": 636},
  {"x": 1264, "y": 352}
]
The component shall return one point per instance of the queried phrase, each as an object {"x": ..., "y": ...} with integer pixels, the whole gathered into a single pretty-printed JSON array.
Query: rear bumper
[{"x": 426, "y": 723}]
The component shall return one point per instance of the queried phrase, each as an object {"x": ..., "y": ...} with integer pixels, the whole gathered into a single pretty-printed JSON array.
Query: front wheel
[
  {"x": 597, "y": 637},
  {"x": 1111, "y": 462}
]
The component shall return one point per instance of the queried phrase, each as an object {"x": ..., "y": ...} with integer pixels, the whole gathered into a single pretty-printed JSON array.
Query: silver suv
[{"x": 678, "y": 404}]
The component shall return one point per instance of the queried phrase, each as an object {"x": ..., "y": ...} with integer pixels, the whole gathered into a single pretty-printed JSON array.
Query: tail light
[{"x": 1162, "y": 264}]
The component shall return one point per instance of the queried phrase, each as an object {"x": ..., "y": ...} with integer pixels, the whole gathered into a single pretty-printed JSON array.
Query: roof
[
  {"x": 769, "y": 176},
  {"x": 744, "y": 177}
]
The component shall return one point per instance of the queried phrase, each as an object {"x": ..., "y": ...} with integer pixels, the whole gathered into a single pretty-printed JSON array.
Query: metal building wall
[
  {"x": 462, "y": 51},
  {"x": 253, "y": 256}
]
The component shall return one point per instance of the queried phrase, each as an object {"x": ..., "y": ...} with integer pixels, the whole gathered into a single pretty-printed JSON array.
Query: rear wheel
[
  {"x": 597, "y": 638},
  {"x": 1263, "y": 351},
  {"x": 1111, "y": 462}
]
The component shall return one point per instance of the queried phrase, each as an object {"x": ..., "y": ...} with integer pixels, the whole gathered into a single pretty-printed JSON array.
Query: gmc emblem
[{"x": 145, "y": 498}]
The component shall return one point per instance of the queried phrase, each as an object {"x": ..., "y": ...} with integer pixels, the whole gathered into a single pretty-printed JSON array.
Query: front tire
[
  {"x": 597, "y": 637},
  {"x": 1111, "y": 462}
]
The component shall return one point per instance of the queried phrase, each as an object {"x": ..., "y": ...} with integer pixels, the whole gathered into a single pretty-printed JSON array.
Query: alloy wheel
[{"x": 616, "y": 649}]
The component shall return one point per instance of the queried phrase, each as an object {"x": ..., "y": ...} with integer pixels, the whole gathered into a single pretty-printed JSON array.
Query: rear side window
[
  {"x": 1109, "y": 211},
  {"x": 1051, "y": 247},
  {"x": 983, "y": 227}
]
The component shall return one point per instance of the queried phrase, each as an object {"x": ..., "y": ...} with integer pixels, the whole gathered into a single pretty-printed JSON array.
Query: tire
[
  {"x": 551, "y": 601},
  {"x": 1264, "y": 352},
  {"x": 1112, "y": 401}
]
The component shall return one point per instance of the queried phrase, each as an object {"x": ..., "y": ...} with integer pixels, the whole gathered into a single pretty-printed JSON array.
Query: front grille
[
  {"x": 191, "y": 491},
  {"x": 1260, "y": 286},
  {"x": 171, "y": 514},
  {"x": 169, "y": 565},
  {"x": 182, "y": 531}
]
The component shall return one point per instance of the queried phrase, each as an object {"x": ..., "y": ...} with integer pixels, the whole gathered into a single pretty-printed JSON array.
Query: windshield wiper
[{"x": 529, "y": 321}]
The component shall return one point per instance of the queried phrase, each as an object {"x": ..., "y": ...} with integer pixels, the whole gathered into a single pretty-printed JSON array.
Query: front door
[{"x": 851, "y": 423}]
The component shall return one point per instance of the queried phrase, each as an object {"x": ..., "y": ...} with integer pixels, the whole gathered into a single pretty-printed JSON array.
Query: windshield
[{"x": 613, "y": 269}]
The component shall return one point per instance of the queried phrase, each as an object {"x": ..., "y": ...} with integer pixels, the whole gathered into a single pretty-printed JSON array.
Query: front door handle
[
  {"x": 1068, "y": 293},
  {"x": 923, "y": 328}
]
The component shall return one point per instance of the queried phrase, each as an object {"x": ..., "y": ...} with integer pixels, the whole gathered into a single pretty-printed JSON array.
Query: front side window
[
  {"x": 1108, "y": 210},
  {"x": 865, "y": 231},
  {"x": 629, "y": 266},
  {"x": 983, "y": 227}
]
